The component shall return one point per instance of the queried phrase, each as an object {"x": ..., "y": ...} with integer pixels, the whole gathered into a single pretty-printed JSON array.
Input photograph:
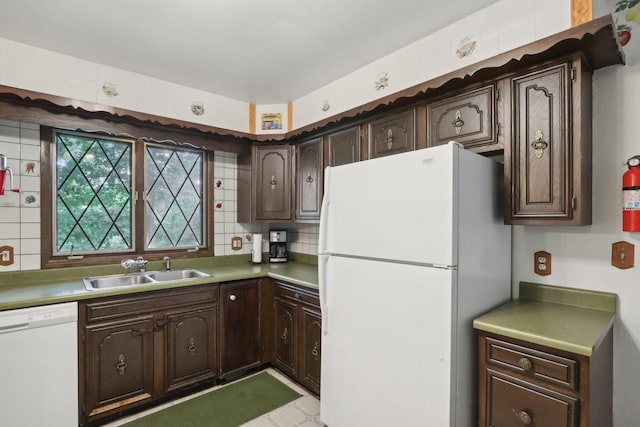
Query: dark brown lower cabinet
[
  {"x": 138, "y": 348},
  {"x": 525, "y": 384},
  {"x": 297, "y": 329},
  {"x": 190, "y": 345},
  {"x": 239, "y": 326}
]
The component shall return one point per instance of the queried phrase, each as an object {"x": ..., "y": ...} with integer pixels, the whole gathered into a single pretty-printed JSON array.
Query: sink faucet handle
[{"x": 167, "y": 262}]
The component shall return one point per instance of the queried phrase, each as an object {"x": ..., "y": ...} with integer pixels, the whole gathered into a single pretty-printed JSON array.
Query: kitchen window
[{"x": 114, "y": 196}]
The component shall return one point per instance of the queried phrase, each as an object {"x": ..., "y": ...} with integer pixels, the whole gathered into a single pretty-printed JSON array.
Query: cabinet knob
[
  {"x": 389, "y": 139},
  {"x": 232, "y": 297},
  {"x": 525, "y": 364},
  {"x": 273, "y": 182},
  {"x": 523, "y": 417}
]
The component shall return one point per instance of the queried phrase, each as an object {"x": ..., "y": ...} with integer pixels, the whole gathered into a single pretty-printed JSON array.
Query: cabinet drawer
[
  {"x": 111, "y": 308},
  {"x": 469, "y": 118},
  {"x": 514, "y": 404},
  {"x": 540, "y": 365},
  {"x": 297, "y": 294}
]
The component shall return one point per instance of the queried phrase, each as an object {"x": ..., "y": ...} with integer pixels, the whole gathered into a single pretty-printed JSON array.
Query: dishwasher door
[{"x": 39, "y": 366}]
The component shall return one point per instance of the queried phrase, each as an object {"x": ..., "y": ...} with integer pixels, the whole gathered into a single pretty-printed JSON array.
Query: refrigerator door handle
[
  {"x": 323, "y": 260},
  {"x": 324, "y": 214}
]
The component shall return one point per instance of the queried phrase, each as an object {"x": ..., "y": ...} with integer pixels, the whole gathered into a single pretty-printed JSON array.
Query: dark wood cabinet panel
[
  {"x": 311, "y": 336},
  {"x": 522, "y": 383},
  {"x": 470, "y": 118},
  {"x": 343, "y": 146},
  {"x": 135, "y": 349},
  {"x": 297, "y": 325},
  {"x": 192, "y": 353},
  {"x": 272, "y": 187},
  {"x": 239, "y": 326},
  {"x": 309, "y": 177},
  {"x": 286, "y": 335},
  {"x": 548, "y": 163},
  {"x": 392, "y": 134},
  {"x": 119, "y": 364}
]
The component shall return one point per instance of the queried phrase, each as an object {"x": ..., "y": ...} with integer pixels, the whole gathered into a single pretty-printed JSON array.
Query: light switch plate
[
  {"x": 622, "y": 254},
  {"x": 542, "y": 263}
]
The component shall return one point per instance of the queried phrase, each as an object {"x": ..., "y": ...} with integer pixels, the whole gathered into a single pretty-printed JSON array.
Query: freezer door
[
  {"x": 400, "y": 207},
  {"x": 386, "y": 354}
]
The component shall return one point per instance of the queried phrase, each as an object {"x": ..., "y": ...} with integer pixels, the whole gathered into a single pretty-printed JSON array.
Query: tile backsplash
[{"x": 20, "y": 212}]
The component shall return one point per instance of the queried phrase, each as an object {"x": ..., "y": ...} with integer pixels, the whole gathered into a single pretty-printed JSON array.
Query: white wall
[
  {"x": 498, "y": 28},
  {"x": 581, "y": 256}
]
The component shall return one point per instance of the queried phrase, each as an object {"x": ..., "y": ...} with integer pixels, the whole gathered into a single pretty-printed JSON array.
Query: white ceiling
[{"x": 260, "y": 51}]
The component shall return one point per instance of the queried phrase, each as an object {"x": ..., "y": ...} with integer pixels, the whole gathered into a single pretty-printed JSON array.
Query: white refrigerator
[{"x": 412, "y": 248}]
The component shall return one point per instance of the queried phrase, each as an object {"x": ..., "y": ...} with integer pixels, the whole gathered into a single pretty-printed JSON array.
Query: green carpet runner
[{"x": 228, "y": 406}]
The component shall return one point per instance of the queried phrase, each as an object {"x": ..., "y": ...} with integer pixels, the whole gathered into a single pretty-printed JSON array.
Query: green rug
[{"x": 228, "y": 406}]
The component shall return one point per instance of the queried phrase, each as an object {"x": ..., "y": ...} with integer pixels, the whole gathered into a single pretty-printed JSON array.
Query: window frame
[{"x": 50, "y": 260}]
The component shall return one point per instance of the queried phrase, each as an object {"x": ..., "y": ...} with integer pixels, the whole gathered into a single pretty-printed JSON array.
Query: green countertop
[
  {"x": 39, "y": 287},
  {"x": 567, "y": 319}
]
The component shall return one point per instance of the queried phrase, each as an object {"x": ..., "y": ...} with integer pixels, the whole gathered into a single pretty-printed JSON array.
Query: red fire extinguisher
[{"x": 631, "y": 195}]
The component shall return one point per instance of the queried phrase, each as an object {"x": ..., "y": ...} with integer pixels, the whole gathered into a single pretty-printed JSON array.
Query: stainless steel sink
[
  {"x": 164, "y": 276},
  {"x": 135, "y": 279}
]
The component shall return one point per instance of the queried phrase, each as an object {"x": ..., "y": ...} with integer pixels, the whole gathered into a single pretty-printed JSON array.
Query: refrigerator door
[
  {"x": 399, "y": 207},
  {"x": 387, "y": 349}
]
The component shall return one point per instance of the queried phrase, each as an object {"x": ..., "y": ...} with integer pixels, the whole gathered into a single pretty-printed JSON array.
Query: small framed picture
[{"x": 271, "y": 121}]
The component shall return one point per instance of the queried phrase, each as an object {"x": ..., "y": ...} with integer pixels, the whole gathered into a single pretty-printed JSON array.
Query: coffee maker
[{"x": 278, "y": 246}]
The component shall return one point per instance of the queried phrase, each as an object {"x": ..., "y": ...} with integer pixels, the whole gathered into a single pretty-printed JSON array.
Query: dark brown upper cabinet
[
  {"x": 469, "y": 117},
  {"x": 272, "y": 183},
  {"x": 548, "y": 162},
  {"x": 392, "y": 134},
  {"x": 343, "y": 146},
  {"x": 309, "y": 175}
]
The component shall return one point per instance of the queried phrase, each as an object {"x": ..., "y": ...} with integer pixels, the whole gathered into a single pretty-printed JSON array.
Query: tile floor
[{"x": 302, "y": 412}]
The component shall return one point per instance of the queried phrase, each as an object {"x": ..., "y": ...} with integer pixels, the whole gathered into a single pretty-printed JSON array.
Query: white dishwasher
[{"x": 39, "y": 366}]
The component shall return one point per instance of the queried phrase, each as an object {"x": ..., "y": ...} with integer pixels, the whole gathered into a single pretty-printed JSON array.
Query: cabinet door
[
  {"x": 469, "y": 118},
  {"x": 540, "y": 154},
  {"x": 344, "y": 147},
  {"x": 273, "y": 182},
  {"x": 191, "y": 353},
  {"x": 391, "y": 135},
  {"x": 311, "y": 333},
  {"x": 118, "y": 365},
  {"x": 239, "y": 326},
  {"x": 309, "y": 180},
  {"x": 286, "y": 330}
]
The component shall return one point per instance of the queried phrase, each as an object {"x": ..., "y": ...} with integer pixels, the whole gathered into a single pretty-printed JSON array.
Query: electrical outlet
[
  {"x": 622, "y": 254},
  {"x": 542, "y": 263}
]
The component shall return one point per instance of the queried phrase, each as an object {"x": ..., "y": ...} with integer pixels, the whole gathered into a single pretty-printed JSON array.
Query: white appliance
[
  {"x": 412, "y": 248},
  {"x": 39, "y": 366}
]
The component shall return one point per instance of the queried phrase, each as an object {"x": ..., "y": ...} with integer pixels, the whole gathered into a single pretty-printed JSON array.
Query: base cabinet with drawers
[
  {"x": 297, "y": 334},
  {"x": 524, "y": 384}
]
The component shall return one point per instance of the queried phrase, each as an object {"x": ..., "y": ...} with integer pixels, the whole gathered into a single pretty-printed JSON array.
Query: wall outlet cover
[{"x": 542, "y": 263}]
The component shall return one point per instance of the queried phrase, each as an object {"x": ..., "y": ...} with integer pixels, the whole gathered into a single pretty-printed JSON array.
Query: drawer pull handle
[
  {"x": 232, "y": 297},
  {"x": 273, "y": 182},
  {"x": 389, "y": 139},
  {"x": 523, "y": 417},
  {"x": 121, "y": 366},
  {"x": 284, "y": 335},
  {"x": 314, "y": 351},
  {"x": 192, "y": 347},
  {"x": 539, "y": 144},
  {"x": 525, "y": 364},
  {"x": 458, "y": 122}
]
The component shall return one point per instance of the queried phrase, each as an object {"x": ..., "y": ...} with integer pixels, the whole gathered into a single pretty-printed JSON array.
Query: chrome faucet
[
  {"x": 167, "y": 262},
  {"x": 139, "y": 262}
]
